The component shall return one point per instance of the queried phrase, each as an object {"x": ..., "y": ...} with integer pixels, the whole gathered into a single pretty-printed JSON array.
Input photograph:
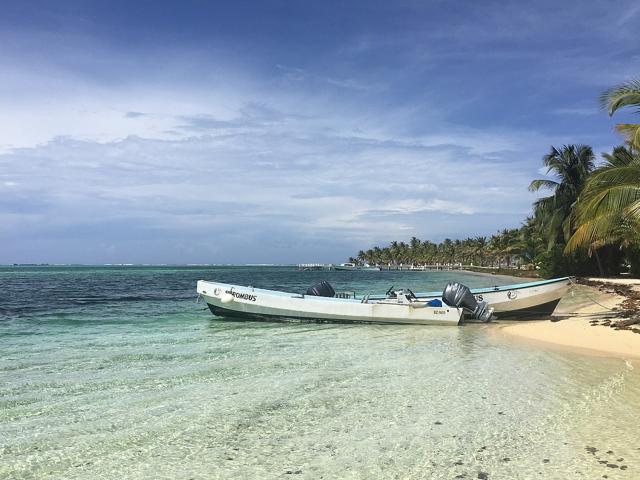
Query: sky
[{"x": 286, "y": 131}]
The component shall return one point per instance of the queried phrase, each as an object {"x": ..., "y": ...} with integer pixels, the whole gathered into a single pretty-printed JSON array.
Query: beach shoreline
[{"x": 585, "y": 322}]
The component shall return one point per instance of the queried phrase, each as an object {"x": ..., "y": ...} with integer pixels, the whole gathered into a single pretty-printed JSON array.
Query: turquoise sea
[{"x": 117, "y": 373}]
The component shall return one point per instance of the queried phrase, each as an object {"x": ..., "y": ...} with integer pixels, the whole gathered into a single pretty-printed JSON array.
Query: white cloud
[
  {"x": 188, "y": 152},
  {"x": 242, "y": 164},
  {"x": 299, "y": 181}
]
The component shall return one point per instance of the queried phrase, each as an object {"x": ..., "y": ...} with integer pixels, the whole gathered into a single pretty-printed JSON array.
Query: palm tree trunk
[{"x": 599, "y": 263}]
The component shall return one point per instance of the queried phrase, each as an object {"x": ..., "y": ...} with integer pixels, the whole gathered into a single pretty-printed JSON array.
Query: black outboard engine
[
  {"x": 322, "y": 289},
  {"x": 457, "y": 295}
]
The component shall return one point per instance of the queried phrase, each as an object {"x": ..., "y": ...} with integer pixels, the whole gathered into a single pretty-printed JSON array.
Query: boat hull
[
  {"x": 530, "y": 312},
  {"x": 257, "y": 304},
  {"x": 522, "y": 301}
]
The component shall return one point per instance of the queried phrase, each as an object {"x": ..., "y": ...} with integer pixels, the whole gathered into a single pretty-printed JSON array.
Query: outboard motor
[
  {"x": 457, "y": 295},
  {"x": 321, "y": 289}
]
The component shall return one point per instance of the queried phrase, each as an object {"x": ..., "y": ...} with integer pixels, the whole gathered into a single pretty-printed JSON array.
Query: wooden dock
[
  {"x": 315, "y": 266},
  {"x": 435, "y": 267},
  {"x": 421, "y": 268}
]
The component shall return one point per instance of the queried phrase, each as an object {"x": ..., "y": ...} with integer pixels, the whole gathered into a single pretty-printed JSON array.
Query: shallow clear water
[{"x": 118, "y": 373}]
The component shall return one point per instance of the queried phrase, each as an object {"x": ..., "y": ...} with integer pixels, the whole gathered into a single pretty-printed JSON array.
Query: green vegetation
[
  {"x": 555, "y": 214},
  {"x": 502, "y": 249},
  {"x": 589, "y": 224},
  {"x": 624, "y": 95}
]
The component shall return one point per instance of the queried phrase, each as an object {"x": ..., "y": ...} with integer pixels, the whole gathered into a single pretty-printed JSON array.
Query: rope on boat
[
  {"x": 559, "y": 315},
  {"x": 610, "y": 310},
  {"x": 582, "y": 314},
  {"x": 591, "y": 298}
]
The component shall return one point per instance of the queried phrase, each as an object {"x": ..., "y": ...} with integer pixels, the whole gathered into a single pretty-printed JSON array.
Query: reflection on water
[{"x": 162, "y": 389}]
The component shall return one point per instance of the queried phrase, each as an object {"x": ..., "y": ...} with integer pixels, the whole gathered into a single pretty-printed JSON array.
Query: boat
[
  {"x": 321, "y": 303},
  {"x": 353, "y": 266},
  {"x": 525, "y": 300},
  {"x": 518, "y": 301}
]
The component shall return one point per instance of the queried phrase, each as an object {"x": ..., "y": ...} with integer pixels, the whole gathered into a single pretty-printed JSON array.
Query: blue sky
[{"x": 185, "y": 132}]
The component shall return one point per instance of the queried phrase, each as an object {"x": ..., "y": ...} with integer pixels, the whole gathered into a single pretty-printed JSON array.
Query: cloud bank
[{"x": 286, "y": 142}]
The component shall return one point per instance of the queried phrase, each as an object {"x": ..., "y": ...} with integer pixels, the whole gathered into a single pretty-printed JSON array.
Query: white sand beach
[{"x": 574, "y": 323}]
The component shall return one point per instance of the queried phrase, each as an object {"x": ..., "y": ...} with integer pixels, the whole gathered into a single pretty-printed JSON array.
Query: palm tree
[
  {"x": 429, "y": 251},
  {"x": 624, "y": 95},
  {"x": 377, "y": 255},
  {"x": 609, "y": 207},
  {"x": 504, "y": 247},
  {"x": 447, "y": 250},
  {"x": 571, "y": 165},
  {"x": 393, "y": 252},
  {"x": 414, "y": 249},
  {"x": 480, "y": 249},
  {"x": 531, "y": 240},
  {"x": 511, "y": 244}
]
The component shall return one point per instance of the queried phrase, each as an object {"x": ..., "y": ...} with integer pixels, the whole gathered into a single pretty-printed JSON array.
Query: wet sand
[{"x": 582, "y": 322}]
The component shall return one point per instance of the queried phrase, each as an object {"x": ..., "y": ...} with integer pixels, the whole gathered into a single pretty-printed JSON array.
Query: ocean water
[{"x": 117, "y": 372}]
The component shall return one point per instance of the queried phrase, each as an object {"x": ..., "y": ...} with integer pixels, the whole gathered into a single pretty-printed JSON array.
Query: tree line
[{"x": 588, "y": 224}]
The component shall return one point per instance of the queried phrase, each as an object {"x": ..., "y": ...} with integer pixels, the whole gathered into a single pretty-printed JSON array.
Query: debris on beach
[{"x": 627, "y": 314}]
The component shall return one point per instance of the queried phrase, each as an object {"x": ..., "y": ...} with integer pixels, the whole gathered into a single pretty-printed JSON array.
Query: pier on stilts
[
  {"x": 315, "y": 266},
  {"x": 434, "y": 267}
]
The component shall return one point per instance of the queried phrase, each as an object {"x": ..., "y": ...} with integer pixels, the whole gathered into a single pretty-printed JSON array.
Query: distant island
[{"x": 588, "y": 225}]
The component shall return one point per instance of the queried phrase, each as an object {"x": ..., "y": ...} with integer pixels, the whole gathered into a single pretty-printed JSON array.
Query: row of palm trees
[
  {"x": 501, "y": 249},
  {"x": 590, "y": 222}
]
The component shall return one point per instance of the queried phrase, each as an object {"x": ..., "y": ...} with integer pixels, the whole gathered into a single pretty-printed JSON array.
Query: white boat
[
  {"x": 321, "y": 303},
  {"x": 353, "y": 266},
  {"x": 519, "y": 301},
  {"x": 525, "y": 300},
  {"x": 253, "y": 303}
]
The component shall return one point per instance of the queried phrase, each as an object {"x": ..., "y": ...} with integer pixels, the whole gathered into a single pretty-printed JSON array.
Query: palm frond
[
  {"x": 633, "y": 210},
  {"x": 612, "y": 176},
  {"x": 601, "y": 230},
  {"x": 542, "y": 183},
  {"x": 608, "y": 209},
  {"x": 620, "y": 96},
  {"x": 630, "y": 131},
  {"x": 620, "y": 157},
  {"x": 609, "y": 201}
]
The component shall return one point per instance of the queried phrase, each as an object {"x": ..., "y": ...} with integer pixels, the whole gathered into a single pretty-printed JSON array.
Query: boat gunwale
[
  {"x": 279, "y": 293},
  {"x": 520, "y": 286},
  {"x": 496, "y": 288}
]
